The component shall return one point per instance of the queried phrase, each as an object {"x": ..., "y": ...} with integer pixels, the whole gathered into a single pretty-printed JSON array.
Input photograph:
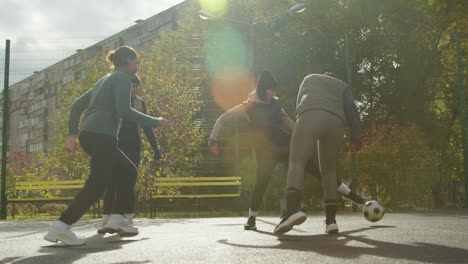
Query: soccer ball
[{"x": 373, "y": 211}]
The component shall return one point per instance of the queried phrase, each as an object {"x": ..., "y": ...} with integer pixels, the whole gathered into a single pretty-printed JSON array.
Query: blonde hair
[{"x": 121, "y": 55}]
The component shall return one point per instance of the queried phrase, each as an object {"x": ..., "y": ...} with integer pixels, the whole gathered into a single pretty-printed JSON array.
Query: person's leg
[
  {"x": 124, "y": 176},
  {"x": 103, "y": 152},
  {"x": 132, "y": 151},
  {"x": 312, "y": 167},
  {"x": 109, "y": 198},
  {"x": 101, "y": 148},
  {"x": 265, "y": 165},
  {"x": 329, "y": 147},
  {"x": 303, "y": 148},
  {"x": 134, "y": 156}
]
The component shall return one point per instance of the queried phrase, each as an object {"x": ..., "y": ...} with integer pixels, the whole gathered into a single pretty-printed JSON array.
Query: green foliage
[
  {"x": 26, "y": 209},
  {"x": 53, "y": 209},
  {"x": 396, "y": 165},
  {"x": 403, "y": 70},
  {"x": 168, "y": 83},
  {"x": 402, "y": 66},
  {"x": 167, "y": 90}
]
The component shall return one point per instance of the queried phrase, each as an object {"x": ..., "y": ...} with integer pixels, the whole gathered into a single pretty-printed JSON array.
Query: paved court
[{"x": 434, "y": 237}]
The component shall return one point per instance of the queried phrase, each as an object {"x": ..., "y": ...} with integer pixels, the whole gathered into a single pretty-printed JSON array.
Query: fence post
[
  {"x": 3, "y": 213},
  {"x": 461, "y": 98}
]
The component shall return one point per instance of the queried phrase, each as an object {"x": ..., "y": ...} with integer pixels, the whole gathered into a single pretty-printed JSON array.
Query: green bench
[{"x": 193, "y": 182}]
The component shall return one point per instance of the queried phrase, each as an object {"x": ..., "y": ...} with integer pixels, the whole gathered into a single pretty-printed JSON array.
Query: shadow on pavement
[
  {"x": 59, "y": 253},
  {"x": 336, "y": 246}
]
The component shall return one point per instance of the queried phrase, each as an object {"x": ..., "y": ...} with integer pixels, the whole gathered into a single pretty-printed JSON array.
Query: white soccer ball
[{"x": 373, "y": 211}]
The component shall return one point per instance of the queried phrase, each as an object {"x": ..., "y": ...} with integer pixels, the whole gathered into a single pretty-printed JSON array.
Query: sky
[{"x": 42, "y": 32}]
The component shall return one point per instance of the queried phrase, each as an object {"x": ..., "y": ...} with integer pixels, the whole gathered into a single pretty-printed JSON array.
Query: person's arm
[
  {"x": 238, "y": 111},
  {"x": 230, "y": 114},
  {"x": 77, "y": 109},
  {"x": 352, "y": 117},
  {"x": 288, "y": 123},
  {"x": 122, "y": 86},
  {"x": 149, "y": 132}
]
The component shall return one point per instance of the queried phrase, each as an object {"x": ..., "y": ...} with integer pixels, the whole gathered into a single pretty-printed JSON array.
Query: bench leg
[
  {"x": 94, "y": 211},
  {"x": 151, "y": 208},
  {"x": 99, "y": 208}
]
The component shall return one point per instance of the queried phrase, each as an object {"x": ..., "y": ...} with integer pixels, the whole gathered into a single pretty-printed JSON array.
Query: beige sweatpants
[{"x": 316, "y": 132}]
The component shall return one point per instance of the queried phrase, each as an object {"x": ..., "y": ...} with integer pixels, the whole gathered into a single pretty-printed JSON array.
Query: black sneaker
[
  {"x": 355, "y": 198},
  {"x": 288, "y": 221},
  {"x": 250, "y": 225}
]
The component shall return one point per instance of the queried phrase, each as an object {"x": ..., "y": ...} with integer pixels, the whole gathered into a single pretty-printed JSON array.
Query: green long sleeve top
[{"x": 107, "y": 102}]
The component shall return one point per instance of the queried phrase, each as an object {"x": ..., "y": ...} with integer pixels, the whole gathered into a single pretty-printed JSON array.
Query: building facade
[{"x": 34, "y": 101}]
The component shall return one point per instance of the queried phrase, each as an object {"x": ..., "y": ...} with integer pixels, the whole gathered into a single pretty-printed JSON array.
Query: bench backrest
[
  {"x": 49, "y": 185},
  {"x": 197, "y": 181}
]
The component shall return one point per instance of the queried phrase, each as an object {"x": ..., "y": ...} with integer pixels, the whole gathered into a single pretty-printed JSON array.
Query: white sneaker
[
  {"x": 119, "y": 224},
  {"x": 102, "y": 230},
  {"x": 61, "y": 232},
  {"x": 129, "y": 218},
  {"x": 331, "y": 228}
]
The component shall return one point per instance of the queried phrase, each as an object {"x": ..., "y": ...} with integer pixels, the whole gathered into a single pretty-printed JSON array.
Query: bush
[
  {"x": 21, "y": 209},
  {"x": 28, "y": 209},
  {"x": 13, "y": 209},
  {"x": 53, "y": 208}
]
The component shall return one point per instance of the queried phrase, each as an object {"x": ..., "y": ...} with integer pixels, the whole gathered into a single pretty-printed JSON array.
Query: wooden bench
[
  {"x": 194, "y": 182},
  {"x": 22, "y": 189}
]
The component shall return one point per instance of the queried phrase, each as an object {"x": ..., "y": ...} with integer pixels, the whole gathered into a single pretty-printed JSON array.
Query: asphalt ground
[{"x": 418, "y": 237}]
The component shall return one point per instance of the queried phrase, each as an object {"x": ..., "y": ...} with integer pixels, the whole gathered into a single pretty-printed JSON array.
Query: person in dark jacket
[
  {"x": 106, "y": 103},
  {"x": 271, "y": 128},
  {"x": 130, "y": 142},
  {"x": 325, "y": 105}
]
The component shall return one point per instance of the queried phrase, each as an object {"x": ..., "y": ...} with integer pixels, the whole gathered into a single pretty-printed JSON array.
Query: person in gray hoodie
[
  {"x": 271, "y": 128},
  {"x": 325, "y": 105}
]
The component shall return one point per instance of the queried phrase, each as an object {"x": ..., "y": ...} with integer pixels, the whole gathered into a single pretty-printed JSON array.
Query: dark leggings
[
  {"x": 266, "y": 163},
  {"x": 108, "y": 165},
  {"x": 133, "y": 153}
]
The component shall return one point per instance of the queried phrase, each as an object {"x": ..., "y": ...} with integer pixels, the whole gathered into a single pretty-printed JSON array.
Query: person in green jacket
[{"x": 106, "y": 103}]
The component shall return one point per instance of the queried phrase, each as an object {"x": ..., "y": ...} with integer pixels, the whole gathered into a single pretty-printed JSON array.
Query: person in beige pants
[{"x": 325, "y": 105}]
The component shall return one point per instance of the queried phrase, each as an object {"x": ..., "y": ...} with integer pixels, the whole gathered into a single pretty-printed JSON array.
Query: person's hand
[
  {"x": 163, "y": 122},
  {"x": 157, "y": 155},
  {"x": 70, "y": 146},
  {"x": 213, "y": 146},
  {"x": 214, "y": 150}
]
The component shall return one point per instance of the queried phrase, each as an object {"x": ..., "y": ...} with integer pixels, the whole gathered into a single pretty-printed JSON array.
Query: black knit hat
[{"x": 265, "y": 81}]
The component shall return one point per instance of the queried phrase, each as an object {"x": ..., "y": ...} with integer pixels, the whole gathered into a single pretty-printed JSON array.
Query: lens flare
[
  {"x": 225, "y": 48},
  {"x": 231, "y": 87},
  {"x": 216, "y": 7}
]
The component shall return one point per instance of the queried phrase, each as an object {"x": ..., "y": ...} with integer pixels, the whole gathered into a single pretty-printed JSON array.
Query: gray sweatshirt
[{"x": 322, "y": 92}]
